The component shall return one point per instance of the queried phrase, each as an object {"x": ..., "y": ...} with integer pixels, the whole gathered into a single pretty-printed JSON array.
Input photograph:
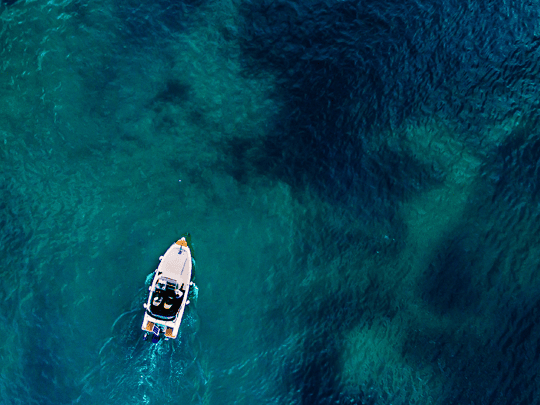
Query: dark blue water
[{"x": 360, "y": 180}]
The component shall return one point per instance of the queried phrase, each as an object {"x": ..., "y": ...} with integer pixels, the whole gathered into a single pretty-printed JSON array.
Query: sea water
[{"x": 360, "y": 180}]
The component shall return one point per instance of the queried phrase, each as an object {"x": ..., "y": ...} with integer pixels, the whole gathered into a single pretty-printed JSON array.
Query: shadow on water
[
  {"x": 449, "y": 284},
  {"x": 175, "y": 92},
  {"x": 337, "y": 83},
  {"x": 349, "y": 74}
]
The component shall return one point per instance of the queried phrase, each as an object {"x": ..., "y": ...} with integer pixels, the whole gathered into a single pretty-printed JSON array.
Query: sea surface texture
[{"x": 360, "y": 180}]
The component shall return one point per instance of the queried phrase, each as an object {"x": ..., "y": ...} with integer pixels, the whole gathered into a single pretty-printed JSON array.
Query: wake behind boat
[{"x": 168, "y": 293}]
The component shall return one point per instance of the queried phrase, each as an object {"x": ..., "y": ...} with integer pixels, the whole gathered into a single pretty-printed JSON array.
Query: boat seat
[
  {"x": 149, "y": 326},
  {"x": 168, "y": 333}
]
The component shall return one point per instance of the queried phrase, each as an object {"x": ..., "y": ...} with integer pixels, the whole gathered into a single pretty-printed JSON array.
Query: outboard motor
[{"x": 155, "y": 336}]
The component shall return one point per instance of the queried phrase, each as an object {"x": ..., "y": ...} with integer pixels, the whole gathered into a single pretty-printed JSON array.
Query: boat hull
[{"x": 168, "y": 293}]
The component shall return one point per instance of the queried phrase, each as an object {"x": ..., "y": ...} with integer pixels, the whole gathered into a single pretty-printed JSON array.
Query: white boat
[{"x": 168, "y": 293}]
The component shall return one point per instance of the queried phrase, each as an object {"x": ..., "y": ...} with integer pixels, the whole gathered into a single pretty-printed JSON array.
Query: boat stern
[{"x": 158, "y": 329}]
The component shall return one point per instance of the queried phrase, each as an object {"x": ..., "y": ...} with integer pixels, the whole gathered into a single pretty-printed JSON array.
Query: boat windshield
[{"x": 166, "y": 300}]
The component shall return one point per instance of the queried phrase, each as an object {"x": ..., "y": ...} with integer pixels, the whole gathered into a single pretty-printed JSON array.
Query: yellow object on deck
[
  {"x": 182, "y": 242},
  {"x": 149, "y": 326},
  {"x": 169, "y": 334}
]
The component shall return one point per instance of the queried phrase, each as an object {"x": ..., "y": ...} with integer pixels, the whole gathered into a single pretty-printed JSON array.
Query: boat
[{"x": 168, "y": 293}]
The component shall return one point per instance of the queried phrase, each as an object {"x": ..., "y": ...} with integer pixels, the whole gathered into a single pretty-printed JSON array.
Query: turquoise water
[{"x": 359, "y": 180}]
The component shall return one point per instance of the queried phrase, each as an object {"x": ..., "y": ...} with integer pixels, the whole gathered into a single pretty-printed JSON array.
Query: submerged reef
[{"x": 411, "y": 122}]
